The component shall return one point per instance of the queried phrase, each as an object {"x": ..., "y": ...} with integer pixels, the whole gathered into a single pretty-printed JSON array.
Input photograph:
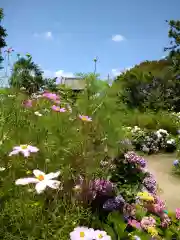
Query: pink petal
[
  {"x": 32, "y": 149},
  {"x": 14, "y": 152},
  {"x": 25, "y": 152}
]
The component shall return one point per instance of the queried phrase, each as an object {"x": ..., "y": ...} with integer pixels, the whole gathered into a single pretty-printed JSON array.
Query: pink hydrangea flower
[
  {"x": 25, "y": 149},
  {"x": 159, "y": 205},
  {"x": 134, "y": 223},
  {"x": 85, "y": 118},
  {"x": 58, "y": 109},
  {"x": 147, "y": 222},
  {"x": 178, "y": 213}
]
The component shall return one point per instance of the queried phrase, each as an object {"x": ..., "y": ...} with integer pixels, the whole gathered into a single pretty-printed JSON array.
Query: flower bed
[{"x": 65, "y": 175}]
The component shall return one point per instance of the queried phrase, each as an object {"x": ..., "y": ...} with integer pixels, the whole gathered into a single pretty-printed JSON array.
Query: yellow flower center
[
  {"x": 100, "y": 236},
  {"x": 82, "y": 234},
  {"x": 40, "y": 177},
  {"x": 84, "y": 118},
  {"x": 24, "y": 146}
]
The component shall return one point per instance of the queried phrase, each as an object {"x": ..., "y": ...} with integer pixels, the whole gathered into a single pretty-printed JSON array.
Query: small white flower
[
  {"x": 145, "y": 149},
  {"x": 2, "y": 169},
  {"x": 171, "y": 141},
  {"x": 24, "y": 149},
  {"x": 136, "y": 238},
  {"x": 161, "y": 132},
  {"x": 11, "y": 96},
  {"x": 38, "y": 114},
  {"x": 22, "y": 88},
  {"x": 42, "y": 180}
]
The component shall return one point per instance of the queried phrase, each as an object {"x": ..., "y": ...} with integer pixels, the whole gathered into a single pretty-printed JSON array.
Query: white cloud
[
  {"x": 118, "y": 38},
  {"x": 116, "y": 72},
  {"x": 58, "y": 74},
  {"x": 62, "y": 73},
  {"x": 46, "y": 35}
]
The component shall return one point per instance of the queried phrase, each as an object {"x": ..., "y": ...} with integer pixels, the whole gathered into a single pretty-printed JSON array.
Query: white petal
[
  {"x": 107, "y": 238},
  {"x": 17, "y": 148},
  {"x": 2, "y": 169},
  {"x": 38, "y": 173},
  {"x": 52, "y": 175},
  {"x": 32, "y": 149},
  {"x": 25, "y": 181},
  {"x": 99, "y": 233},
  {"x": 25, "y": 152},
  {"x": 40, "y": 187},
  {"x": 14, "y": 152},
  {"x": 53, "y": 184}
]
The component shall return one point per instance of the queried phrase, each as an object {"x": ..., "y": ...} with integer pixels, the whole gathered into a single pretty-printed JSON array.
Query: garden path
[{"x": 161, "y": 166}]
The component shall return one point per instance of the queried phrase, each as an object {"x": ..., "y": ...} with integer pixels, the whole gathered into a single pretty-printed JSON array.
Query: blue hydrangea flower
[
  {"x": 114, "y": 203},
  {"x": 176, "y": 162}
]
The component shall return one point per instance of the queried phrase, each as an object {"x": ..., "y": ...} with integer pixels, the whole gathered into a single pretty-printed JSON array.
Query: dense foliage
[{"x": 3, "y": 34}]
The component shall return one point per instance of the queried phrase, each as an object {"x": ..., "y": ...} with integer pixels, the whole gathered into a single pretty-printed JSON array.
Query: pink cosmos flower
[
  {"x": 85, "y": 118},
  {"x": 58, "y": 109},
  {"x": 28, "y": 103},
  {"x": 24, "y": 149},
  {"x": 178, "y": 213},
  {"x": 51, "y": 96}
]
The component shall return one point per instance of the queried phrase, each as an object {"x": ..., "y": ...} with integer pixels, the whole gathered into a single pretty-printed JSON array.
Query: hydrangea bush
[{"x": 152, "y": 141}]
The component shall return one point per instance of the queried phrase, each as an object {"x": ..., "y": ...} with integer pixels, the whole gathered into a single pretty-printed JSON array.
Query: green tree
[
  {"x": 3, "y": 34},
  {"x": 50, "y": 84},
  {"x": 26, "y": 74},
  {"x": 174, "y": 48}
]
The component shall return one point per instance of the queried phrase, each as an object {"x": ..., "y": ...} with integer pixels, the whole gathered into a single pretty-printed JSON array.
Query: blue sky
[{"x": 64, "y": 36}]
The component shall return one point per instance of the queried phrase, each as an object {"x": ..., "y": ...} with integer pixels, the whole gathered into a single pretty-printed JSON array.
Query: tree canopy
[{"x": 3, "y": 34}]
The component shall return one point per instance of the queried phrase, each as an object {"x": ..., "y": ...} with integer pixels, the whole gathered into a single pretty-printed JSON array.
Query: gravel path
[{"x": 161, "y": 166}]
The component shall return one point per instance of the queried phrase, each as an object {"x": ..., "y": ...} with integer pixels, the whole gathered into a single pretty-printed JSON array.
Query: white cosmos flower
[
  {"x": 42, "y": 180},
  {"x": 82, "y": 233},
  {"x": 101, "y": 235},
  {"x": 24, "y": 149},
  {"x": 38, "y": 114}
]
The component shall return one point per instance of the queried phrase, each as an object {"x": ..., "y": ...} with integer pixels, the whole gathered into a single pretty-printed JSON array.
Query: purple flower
[
  {"x": 132, "y": 157},
  {"x": 101, "y": 187},
  {"x": 114, "y": 203},
  {"x": 150, "y": 183}
]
